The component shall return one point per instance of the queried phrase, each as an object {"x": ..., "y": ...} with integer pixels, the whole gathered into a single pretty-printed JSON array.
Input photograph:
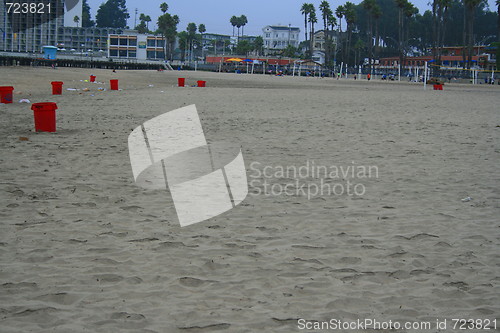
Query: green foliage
[
  {"x": 290, "y": 51},
  {"x": 243, "y": 47},
  {"x": 258, "y": 44},
  {"x": 112, "y": 14},
  {"x": 201, "y": 28},
  {"x": 86, "y": 21}
]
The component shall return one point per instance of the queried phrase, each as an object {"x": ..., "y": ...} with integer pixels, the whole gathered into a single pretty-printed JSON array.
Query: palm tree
[
  {"x": 326, "y": 14},
  {"x": 305, "y": 10},
  {"x": 243, "y": 21},
  {"x": 368, "y": 6},
  {"x": 147, "y": 19},
  {"x": 339, "y": 12},
  {"x": 401, "y": 5},
  {"x": 76, "y": 19},
  {"x": 164, "y": 7},
  {"x": 233, "y": 20},
  {"x": 498, "y": 20},
  {"x": 350, "y": 17},
  {"x": 409, "y": 11},
  {"x": 312, "y": 20},
  {"x": 191, "y": 30},
  {"x": 470, "y": 8}
]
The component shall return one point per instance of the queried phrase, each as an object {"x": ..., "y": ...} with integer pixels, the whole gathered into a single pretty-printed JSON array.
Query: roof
[{"x": 282, "y": 27}]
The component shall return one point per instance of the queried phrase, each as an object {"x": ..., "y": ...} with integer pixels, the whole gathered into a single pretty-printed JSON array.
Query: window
[
  {"x": 160, "y": 55},
  {"x": 132, "y": 54},
  {"x": 113, "y": 53},
  {"x": 150, "y": 54},
  {"x": 151, "y": 42},
  {"x": 132, "y": 42},
  {"x": 268, "y": 35},
  {"x": 113, "y": 41},
  {"x": 123, "y": 41},
  {"x": 160, "y": 42}
]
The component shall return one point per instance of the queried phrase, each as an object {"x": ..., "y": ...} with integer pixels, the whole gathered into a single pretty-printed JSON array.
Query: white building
[
  {"x": 277, "y": 37},
  {"x": 132, "y": 45}
]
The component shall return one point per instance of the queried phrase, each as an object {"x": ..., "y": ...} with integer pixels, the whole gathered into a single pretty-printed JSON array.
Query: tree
[
  {"x": 243, "y": 47},
  {"x": 143, "y": 26},
  {"x": 258, "y": 44},
  {"x": 243, "y": 22},
  {"x": 191, "y": 30},
  {"x": 112, "y": 14},
  {"x": 86, "y": 21},
  {"x": 183, "y": 43},
  {"x": 163, "y": 7},
  {"x": 234, "y": 21},
  {"x": 368, "y": 6},
  {"x": 339, "y": 12},
  {"x": 350, "y": 17},
  {"x": 167, "y": 25},
  {"x": 202, "y": 29},
  {"x": 290, "y": 51},
  {"x": 312, "y": 20},
  {"x": 327, "y": 15},
  {"x": 76, "y": 19},
  {"x": 498, "y": 26},
  {"x": 470, "y": 7},
  {"x": 306, "y": 10}
]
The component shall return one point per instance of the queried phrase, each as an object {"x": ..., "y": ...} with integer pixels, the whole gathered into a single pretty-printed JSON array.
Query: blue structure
[{"x": 49, "y": 52}]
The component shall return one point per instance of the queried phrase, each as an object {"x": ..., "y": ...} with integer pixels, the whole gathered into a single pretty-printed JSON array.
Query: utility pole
[{"x": 135, "y": 18}]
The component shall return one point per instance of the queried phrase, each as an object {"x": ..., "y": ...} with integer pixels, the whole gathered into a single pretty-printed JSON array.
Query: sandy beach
[{"x": 83, "y": 249}]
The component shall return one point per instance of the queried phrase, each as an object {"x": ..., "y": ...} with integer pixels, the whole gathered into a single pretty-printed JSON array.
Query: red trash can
[
  {"x": 92, "y": 78},
  {"x": 45, "y": 116},
  {"x": 201, "y": 83},
  {"x": 181, "y": 81},
  {"x": 6, "y": 94},
  {"x": 113, "y": 84},
  {"x": 57, "y": 87}
]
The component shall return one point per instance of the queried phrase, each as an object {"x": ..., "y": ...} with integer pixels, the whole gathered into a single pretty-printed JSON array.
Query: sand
[{"x": 83, "y": 249}]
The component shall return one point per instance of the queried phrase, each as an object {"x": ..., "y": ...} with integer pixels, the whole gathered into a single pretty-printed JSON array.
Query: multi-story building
[
  {"x": 85, "y": 39},
  {"x": 136, "y": 46},
  {"x": 277, "y": 37},
  {"x": 319, "y": 45},
  {"x": 27, "y": 30}
]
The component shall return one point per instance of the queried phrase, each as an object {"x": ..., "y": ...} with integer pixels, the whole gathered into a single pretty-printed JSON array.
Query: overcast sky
[{"x": 215, "y": 14}]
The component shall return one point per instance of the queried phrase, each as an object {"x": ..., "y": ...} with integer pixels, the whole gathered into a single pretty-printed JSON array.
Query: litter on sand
[
  {"x": 72, "y": 89},
  {"x": 466, "y": 199},
  {"x": 24, "y": 100}
]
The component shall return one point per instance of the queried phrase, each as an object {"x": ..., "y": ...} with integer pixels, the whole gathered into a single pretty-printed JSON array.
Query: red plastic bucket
[
  {"x": 6, "y": 94},
  {"x": 181, "y": 81},
  {"x": 438, "y": 87},
  {"x": 113, "y": 84},
  {"x": 92, "y": 78},
  {"x": 45, "y": 116},
  {"x": 201, "y": 83},
  {"x": 57, "y": 87}
]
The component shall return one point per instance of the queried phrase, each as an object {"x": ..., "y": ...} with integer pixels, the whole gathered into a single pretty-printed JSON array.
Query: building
[
  {"x": 29, "y": 32},
  {"x": 319, "y": 45},
  {"x": 136, "y": 46},
  {"x": 85, "y": 39},
  {"x": 447, "y": 62},
  {"x": 277, "y": 37}
]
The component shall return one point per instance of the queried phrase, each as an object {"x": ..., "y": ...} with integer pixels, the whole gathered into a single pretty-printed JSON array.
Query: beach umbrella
[
  {"x": 248, "y": 60},
  {"x": 235, "y": 59}
]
